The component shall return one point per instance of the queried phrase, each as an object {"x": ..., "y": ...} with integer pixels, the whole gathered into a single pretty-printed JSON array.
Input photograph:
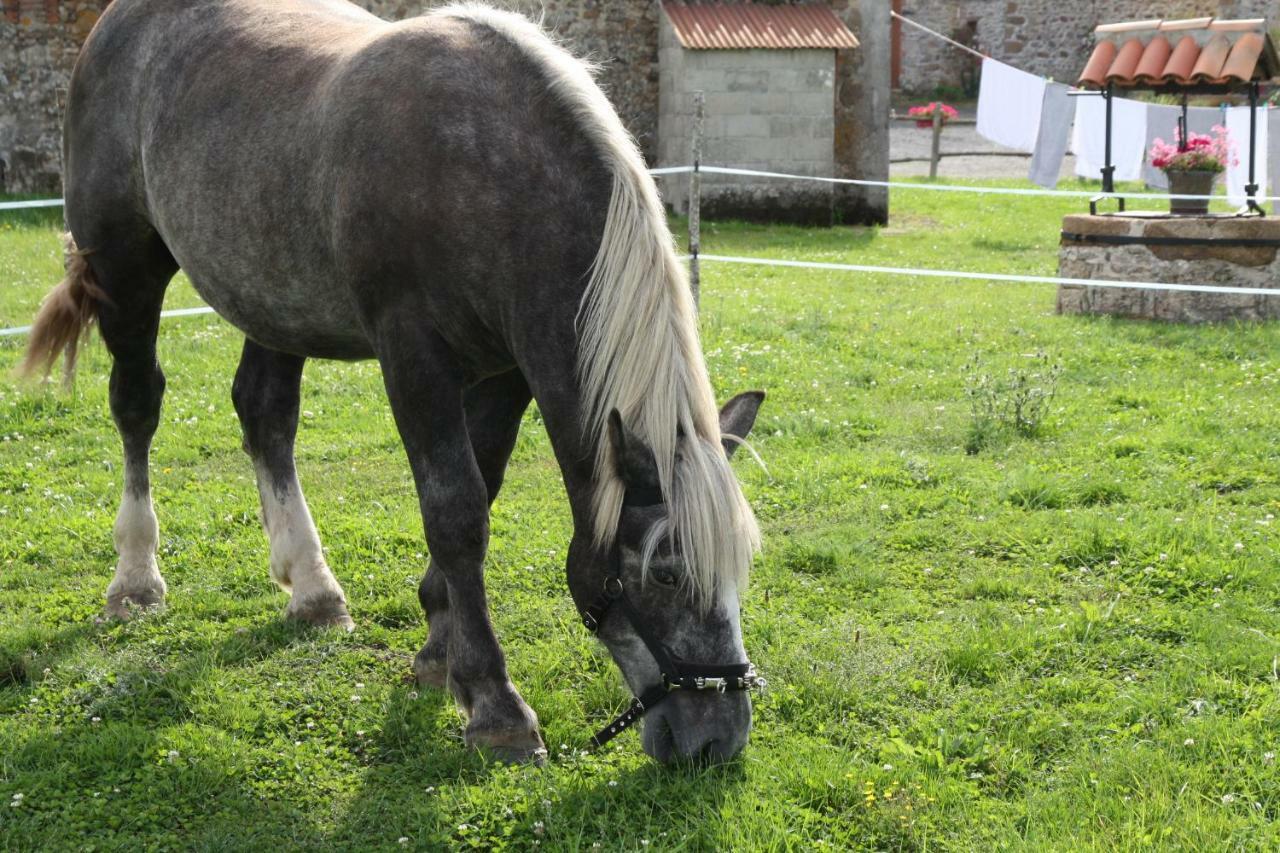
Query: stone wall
[
  {"x": 1225, "y": 251},
  {"x": 39, "y": 40},
  {"x": 1048, "y": 37}
]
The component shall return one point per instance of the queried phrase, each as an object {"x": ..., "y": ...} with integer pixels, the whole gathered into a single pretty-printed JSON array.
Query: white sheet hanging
[
  {"x": 1238, "y": 175},
  {"x": 1128, "y": 137},
  {"x": 1009, "y": 103}
]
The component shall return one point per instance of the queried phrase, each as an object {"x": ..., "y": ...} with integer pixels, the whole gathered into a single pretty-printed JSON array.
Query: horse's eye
[{"x": 664, "y": 577}]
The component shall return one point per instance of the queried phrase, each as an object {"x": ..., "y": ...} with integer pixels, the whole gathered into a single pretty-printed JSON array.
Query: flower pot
[{"x": 1190, "y": 182}]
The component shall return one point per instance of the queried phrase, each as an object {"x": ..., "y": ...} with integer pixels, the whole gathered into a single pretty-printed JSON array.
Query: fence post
[
  {"x": 935, "y": 152},
  {"x": 695, "y": 198}
]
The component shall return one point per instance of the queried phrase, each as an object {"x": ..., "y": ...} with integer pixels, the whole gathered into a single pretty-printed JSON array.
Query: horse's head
[{"x": 658, "y": 628}]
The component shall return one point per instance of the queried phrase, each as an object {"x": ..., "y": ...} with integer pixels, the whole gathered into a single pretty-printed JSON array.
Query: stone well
[{"x": 1233, "y": 251}]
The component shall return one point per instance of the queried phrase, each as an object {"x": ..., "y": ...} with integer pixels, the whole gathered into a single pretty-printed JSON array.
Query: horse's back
[{"x": 300, "y": 158}]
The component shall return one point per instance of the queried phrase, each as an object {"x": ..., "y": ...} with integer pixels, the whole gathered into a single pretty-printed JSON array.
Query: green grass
[{"x": 1065, "y": 641}]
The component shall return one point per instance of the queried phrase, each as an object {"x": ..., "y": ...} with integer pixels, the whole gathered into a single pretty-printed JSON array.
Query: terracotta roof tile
[
  {"x": 740, "y": 26},
  {"x": 1182, "y": 60},
  {"x": 1212, "y": 57},
  {"x": 1138, "y": 53},
  {"x": 1126, "y": 62},
  {"x": 1154, "y": 58},
  {"x": 1095, "y": 72},
  {"x": 1244, "y": 57}
]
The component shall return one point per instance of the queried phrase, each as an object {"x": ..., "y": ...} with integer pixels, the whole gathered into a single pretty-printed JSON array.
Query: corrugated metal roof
[
  {"x": 1181, "y": 53},
  {"x": 741, "y": 26}
]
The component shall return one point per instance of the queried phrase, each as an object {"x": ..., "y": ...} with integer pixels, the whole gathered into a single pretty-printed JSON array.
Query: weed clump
[{"x": 1016, "y": 402}]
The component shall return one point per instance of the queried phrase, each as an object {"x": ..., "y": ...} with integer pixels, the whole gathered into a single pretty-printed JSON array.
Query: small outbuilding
[{"x": 768, "y": 74}]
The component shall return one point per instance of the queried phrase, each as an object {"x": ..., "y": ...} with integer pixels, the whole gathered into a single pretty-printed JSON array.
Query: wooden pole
[
  {"x": 695, "y": 197},
  {"x": 935, "y": 153}
]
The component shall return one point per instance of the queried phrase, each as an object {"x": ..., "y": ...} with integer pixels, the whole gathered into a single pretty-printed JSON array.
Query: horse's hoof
[
  {"x": 124, "y": 606},
  {"x": 325, "y": 611},
  {"x": 431, "y": 671},
  {"x": 510, "y": 746}
]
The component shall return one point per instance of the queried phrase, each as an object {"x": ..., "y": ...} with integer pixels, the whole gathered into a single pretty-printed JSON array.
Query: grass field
[{"x": 976, "y": 637}]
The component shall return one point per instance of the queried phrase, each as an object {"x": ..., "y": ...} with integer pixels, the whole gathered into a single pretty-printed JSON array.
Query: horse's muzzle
[{"x": 700, "y": 727}]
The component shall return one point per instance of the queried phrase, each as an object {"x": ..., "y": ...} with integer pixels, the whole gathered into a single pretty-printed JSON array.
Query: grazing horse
[{"x": 454, "y": 196}]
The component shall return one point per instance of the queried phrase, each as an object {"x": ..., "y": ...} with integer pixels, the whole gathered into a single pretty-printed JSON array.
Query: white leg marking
[
  {"x": 137, "y": 535},
  {"x": 297, "y": 560}
]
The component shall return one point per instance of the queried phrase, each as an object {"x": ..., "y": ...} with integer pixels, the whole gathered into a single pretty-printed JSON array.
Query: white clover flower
[
  {"x": 404, "y": 839},
  {"x": 1228, "y": 799},
  {"x": 1189, "y": 742}
]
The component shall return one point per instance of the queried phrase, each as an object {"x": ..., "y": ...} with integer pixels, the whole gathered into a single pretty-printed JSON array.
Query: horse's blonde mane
[{"x": 639, "y": 351}]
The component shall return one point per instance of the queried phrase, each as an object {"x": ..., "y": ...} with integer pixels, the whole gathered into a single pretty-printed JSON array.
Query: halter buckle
[
  {"x": 613, "y": 587},
  {"x": 719, "y": 685}
]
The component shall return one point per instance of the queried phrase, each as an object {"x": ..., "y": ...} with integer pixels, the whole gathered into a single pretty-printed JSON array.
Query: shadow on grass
[
  {"x": 122, "y": 759},
  {"x": 123, "y": 753}
]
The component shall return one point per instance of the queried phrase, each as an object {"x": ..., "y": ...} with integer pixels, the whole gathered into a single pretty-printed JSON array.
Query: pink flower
[
  {"x": 1202, "y": 152},
  {"x": 925, "y": 113}
]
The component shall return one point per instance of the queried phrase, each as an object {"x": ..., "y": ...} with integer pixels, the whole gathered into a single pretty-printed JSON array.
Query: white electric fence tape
[
  {"x": 956, "y": 188},
  {"x": 816, "y": 265},
  {"x": 856, "y": 182},
  {"x": 987, "y": 276}
]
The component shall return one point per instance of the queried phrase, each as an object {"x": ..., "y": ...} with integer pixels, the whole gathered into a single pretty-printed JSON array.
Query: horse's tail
[{"x": 65, "y": 317}]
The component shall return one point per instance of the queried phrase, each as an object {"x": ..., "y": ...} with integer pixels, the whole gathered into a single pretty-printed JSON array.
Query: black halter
[{"x": 676, "y": 674}]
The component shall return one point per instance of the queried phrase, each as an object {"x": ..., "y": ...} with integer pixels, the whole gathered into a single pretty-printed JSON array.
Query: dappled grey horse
[{"x": 454, "y": 196}]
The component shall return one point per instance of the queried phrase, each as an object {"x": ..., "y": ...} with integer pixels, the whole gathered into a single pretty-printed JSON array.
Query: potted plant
[
  {"x": 924, "y": 114},
  {"x": 1192, "y": 167}
]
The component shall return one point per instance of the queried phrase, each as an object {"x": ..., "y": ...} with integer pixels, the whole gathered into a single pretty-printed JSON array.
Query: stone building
[
  {"x": 1051, "y": 38},
  {"x": 39, "y": 40},
  {"x": 767, "y": 75}
]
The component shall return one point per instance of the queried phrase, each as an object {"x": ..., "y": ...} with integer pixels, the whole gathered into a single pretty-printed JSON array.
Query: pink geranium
[
  {"x": 925, "y": 113},
  {"x": 1202, "y": 152}
]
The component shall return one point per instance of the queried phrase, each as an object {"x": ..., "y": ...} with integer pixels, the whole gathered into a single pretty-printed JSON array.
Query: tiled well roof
[
  {"x": 740, "y": 26},
  {"x": 1190, "y": 52}
]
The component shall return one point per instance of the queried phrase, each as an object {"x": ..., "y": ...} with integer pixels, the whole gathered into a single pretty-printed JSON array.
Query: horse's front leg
[
  {"x": 494, "y": 408},
  {"x": 426, "y": 386}
]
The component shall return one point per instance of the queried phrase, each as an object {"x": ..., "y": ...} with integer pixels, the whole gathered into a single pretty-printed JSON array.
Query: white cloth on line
[
  {"x": 1009, "y": 103},
  {"x": 1273, "y": 149},
  {"x": 1128, "y": 137},
  {"x": 1051, "y": 142},
  {"x": 1162, "y": 123},
  {"x": 1238, "y": 175}
]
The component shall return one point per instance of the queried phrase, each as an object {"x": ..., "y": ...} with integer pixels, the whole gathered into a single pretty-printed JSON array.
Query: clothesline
[{"x": 939, "y": 35}]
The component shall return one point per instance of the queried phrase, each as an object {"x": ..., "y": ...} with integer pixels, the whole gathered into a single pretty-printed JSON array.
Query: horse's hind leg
[
  {"x": 266, "y": 396},
  {"x": 494, "y": 408},
  {"x": 425, "y": 384},
  {"x": 133, "y": 275}
]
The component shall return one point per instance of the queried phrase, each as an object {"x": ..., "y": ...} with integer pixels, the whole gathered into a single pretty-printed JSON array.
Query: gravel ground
[{"x": 908, "y": 142}]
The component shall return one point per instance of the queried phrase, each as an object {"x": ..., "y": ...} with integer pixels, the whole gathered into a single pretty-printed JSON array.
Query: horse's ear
[
  {"x": 636, "y": 465},
  {"x": 738, "y": 417}
]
